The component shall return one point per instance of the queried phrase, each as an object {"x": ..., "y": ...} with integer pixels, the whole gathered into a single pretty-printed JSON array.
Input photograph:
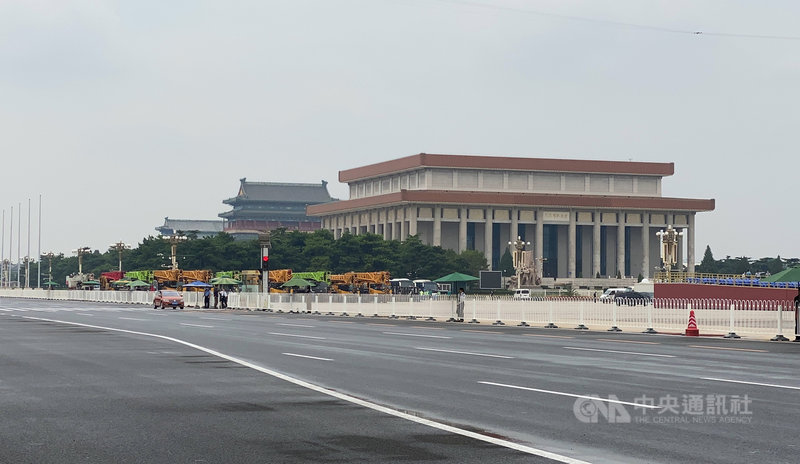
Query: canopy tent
[
  {"x": 297, "y": 282},
  {"x": 456, "y": 279},
  {"x": 225, "y": 281},
  {"x": 50, "y": 283},
  {"x": 787, "y": 275},
  {"x": 138, "y": 283},
  {"x": 197, "y": 284}
]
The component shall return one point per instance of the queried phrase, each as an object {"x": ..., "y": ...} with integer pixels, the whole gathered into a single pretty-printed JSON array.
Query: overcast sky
[{"x": 119, "y": 113}]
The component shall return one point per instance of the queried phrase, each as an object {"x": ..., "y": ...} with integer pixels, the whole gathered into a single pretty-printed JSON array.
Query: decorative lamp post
[
  {"x": 80, "y": 252},
  {"x": 119, "y": 247},
  {"x": 670, "y": 240},
  {"x": 517, "y": 256},
  {"x": 174, "y": 240},
  {"x": 49, "y": 255}
]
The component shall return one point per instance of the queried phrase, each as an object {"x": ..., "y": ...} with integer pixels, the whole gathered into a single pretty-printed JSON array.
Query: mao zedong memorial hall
[{"x": 583, "y": 218}]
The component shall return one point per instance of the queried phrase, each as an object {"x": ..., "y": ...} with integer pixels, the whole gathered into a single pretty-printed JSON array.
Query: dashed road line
[
  {"x": 572, "y": 395},
  {"x": 487, "y": 355},
  {"x": 619, "y": 352},
  {"x": 415, "y": 335},
  {"x": 306, "y": 356}
]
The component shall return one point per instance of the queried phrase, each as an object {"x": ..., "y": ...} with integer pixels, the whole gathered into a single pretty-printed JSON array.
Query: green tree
[
  {"x": 506, "y": 264},
  {"x": 708, "y": 265}
]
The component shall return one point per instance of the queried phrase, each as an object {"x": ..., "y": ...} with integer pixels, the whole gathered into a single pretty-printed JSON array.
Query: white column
[
  {"x": 690, "y": 257},
  {"x": 386, "y": 227},
  {"x": 462, "y": 230},
  {"x": 487, "y": 236},
  {"x": 596, "y": 244},
  {"x": 412, "y": 221},
  {"x": 403, "y": 231},
  {"x": 572, "y": 246},
  {"x": 513, "y": 229},
  {"x": 646, "y": 245},
  {"x": 621, "y": 244},
  {"x": 437, "y": 226},
  {"x": 538, "y": 253}
]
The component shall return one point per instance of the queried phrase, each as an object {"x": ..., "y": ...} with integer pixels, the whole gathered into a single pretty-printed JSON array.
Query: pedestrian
[
  {"x": 206, "y": 298},
  {"x": 595, "y": 297},
  {"x": 462, "y": 299},
  {"x": 216, "y": 297},
  {"x": 223, "y": 298}
]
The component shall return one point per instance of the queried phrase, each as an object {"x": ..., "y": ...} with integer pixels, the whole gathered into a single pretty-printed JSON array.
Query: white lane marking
[
  {"x": 343, "y": 396},
  {"x": 4, "y": 309},
  {"x": 626, "y": 341},
  {"x": 709, "y": 347},
  {"x": 305, "y": 356},
  {"x": 572, "y": 395},
  {"x": 466, "y": 352},
  {"x": 619, "y": 352},
  {"x": 198, "y": 325},
  {"x": 215, "y": 318},
  {"x": 85, "y": 314},
  {"x": 294, "y": 335},
  {"x": 752, "y": 383},
  {"x": 415, "y": 335},
  {"x": 132, "y": 318},
  {"x": 296, "y": 325}
]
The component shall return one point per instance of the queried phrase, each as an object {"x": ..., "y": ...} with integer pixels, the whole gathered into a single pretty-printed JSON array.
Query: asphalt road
[{"x": 78, "y": 393}]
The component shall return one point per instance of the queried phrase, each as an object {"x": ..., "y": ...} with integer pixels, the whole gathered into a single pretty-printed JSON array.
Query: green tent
[
  {"x": 138, "y": 283},
  {"x": 787, "y": 275},
  {"x": 456, "y": 277},
  {"x": 297, "y": 282},
  {"x": 225, "y": 281}
]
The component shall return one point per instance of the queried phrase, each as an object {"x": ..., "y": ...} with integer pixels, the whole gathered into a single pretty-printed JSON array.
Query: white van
[
  {"x": 522, "y": 294},
  {"x": 610, "y": 293}
]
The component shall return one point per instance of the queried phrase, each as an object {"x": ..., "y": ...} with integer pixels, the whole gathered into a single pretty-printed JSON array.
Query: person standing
[
  {"x": 223, "y": 298},
  {"x": 462, "y": 299},
  {"x": 206, "y": 298},
  {"x": 216, "y": 297}
]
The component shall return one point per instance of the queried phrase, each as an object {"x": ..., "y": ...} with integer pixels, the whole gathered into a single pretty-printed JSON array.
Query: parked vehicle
[
  {"x": 522, "y": 294},
  {"x": 632, "y": 298},
  {"x": 610, "y": 293},
  {"x": 402, "y": 286},
  {"x": 426, "y": 286},
  {"x": 168, "y": 298}
]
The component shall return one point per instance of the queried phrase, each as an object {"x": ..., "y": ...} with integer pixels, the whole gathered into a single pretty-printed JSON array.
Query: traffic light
[{"x": 265, "y": 263}]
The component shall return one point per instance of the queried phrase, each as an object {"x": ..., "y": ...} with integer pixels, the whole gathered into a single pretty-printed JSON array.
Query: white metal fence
[{"x": 714, "y": 316}]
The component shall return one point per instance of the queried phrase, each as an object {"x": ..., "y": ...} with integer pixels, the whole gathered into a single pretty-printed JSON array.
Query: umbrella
[
  {"x": 91, "y": 282},
  {"x": 225, "y": 281},
  {"x": 297, "y": 282},
  {"x": 197, "y": 284},
  {"x": 138, "y": 283},
  {"x": 788, "y": 275},
  {"x": 456, "y": 277},
  {"x": 50, "y": 283}
]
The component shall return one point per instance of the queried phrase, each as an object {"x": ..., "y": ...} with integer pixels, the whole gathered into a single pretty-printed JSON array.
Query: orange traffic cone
[{"x": 691, "y": 329}]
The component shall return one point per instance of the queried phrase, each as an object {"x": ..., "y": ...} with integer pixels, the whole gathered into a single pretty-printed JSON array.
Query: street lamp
[
  {"x": 174, "y": 240},
  {"x": 49, "y": 255},
  {"x": 517, "y": 256},
  {"x": 670, "y": 240},
  {"x": 80, "y": 252},
  {"x": 119, "y": 247}
]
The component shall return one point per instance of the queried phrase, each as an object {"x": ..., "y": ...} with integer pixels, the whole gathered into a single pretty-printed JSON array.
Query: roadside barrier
[{"x": 713, "y": 316}]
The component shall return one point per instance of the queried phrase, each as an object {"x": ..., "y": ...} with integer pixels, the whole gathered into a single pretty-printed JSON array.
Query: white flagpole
[
  {"x": 28, "y": 255},
  {"x": 39, "y": 251}
]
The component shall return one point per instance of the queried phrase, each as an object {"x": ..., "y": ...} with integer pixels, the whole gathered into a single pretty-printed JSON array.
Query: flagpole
[
  {"x": 28, "y": 254},
  {"x": 19, "y": 244},
  {"x": 39, "y": 251},
  {"x": 3, "y": 253}
]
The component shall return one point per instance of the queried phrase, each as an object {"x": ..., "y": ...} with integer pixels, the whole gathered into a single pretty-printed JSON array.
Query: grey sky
[{"x": 122, "y": 113}]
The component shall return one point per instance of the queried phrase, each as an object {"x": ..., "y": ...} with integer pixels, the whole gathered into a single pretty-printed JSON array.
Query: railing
[
  {"x": 738, "y": 280},
  {"x": 714, "y": 316}
]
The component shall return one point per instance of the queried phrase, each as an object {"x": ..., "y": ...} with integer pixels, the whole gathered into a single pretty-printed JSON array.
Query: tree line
[
  {"x": 744, "y": 264},
  {"x": 299, "y": 251}
]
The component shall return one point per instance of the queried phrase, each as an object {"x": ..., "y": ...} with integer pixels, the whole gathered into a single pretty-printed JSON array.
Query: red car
[{"x": 168, "y": 298}]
